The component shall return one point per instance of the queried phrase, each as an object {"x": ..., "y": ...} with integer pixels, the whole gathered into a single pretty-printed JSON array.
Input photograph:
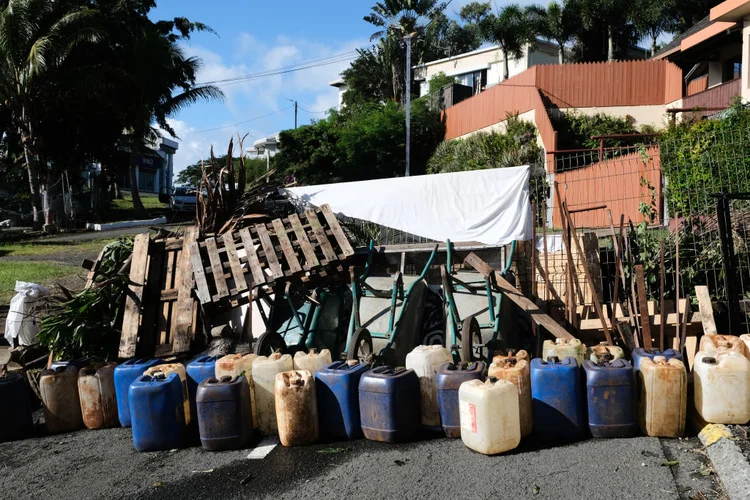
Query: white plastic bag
[{"x": 21, "y": 324}]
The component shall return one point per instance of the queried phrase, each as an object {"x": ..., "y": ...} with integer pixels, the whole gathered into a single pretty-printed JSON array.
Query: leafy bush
[
  {"x": 359, "y": 143},
  {"x": 440, "y": 80},
  {"x": 516, "y": 146},
  {"x": 90, "y": 322},
  {"x": 574, "y": 129}
]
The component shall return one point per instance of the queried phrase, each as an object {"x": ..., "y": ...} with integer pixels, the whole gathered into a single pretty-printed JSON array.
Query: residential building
[
  {"x": 155, "y": 168},
  {"x": 340, "y": 84},
  {"x": 483, "y": 68}
]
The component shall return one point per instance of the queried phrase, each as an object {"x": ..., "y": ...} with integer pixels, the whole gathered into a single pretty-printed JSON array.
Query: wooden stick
[
  {"x": 619, "y": 259},
  {"x": 677, "y": 283},
  {"x": 533, "y": 252},
  {"x": 643, "y": 306},
  {"x": 546, "y": 259},
  {"x": 706, "y": 310},
  {"x": 587, "y": 273},
  {"x": 570, "y": 292},
  {"x": 662, "y": 308},
  {"x": 618, "y": 274},
  {"x": 634, "y": 301},
  {"x": 685, "y": 319}
]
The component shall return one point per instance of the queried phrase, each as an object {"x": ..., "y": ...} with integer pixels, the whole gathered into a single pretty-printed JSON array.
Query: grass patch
[
  {"x": 122, "y": 210},
  {"x": 34, "y": 272},
  {"x": 40, "y": 248}
]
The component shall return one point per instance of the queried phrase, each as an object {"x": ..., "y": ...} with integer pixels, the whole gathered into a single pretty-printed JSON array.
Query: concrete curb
[
  {"x": 728, "y": 460},
  {"x": 124, "y": 224}
]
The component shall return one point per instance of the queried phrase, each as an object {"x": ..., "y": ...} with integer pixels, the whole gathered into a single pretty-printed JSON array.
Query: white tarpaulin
[{"x": 488, "y": 206}]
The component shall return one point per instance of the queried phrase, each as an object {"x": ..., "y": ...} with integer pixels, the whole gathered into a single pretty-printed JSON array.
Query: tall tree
[
  {"x": 398, "y": 19},
  {"x": 608, "y": 15},
  {"x": 511, "y": 29},
  {"x": 36, "y": 39},
  {"x": 158, "y": 80},
  {"x": 557, "y": 26},
  {"x": 651, "y": 18}
]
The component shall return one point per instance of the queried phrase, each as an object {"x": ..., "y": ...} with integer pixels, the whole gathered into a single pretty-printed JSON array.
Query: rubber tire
[
  {"x": 360, "y": 337},
  {"x": 470, "y": 326},
  {"x": 268, "y": 343}
]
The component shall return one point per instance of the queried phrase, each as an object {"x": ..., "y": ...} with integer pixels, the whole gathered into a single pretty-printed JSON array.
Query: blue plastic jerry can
[
  {"x": 198, "y": 370},
  {"x": 15, "y": 409},
  {"x": 557, "y": 398},
  {"x": 225, "y": 414},
  {"x": 639, "y": 353},
  {"x": 450, "y": 376},
  {"x": 125, "y": 374},
  {"x": 610, "y": 396},
  {"x": 389, "y": 404},
  {"x": 157, "y": 412},
  {"x": 337, "y": 389}
]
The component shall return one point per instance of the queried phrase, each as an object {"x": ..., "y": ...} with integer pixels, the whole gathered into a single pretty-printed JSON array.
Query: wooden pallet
[
  {"x": 160, "y": 311},
  {"x": 300, "y": 245}
]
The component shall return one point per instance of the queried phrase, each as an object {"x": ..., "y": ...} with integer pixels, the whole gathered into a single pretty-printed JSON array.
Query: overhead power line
[
  {"x": 325, "y": 61},
  {"x": 238, "y": 123}
]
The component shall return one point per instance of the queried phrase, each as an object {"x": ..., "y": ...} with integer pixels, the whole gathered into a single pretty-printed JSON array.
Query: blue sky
[
  {"x": 255, "y": 36},
  {"x": 258, "y": 36}
]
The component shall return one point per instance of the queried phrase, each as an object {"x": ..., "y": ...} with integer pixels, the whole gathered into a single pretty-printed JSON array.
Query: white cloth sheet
[{"x": 487, "y": 206}]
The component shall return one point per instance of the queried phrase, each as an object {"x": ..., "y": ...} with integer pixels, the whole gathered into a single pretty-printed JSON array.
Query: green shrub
[{"x": 574, "y": 129}]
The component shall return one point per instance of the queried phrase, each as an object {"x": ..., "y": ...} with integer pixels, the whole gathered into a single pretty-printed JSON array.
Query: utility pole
[
  {"x": 295, "y": 111},
  {"x": 408, "y": 102}
]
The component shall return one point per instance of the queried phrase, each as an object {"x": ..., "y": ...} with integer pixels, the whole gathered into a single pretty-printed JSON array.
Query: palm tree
[
  {"x": 158, "y": 81},
  {"x": 399, "y": 19},
  {"x": 652, "y": 18},
  {"x": 511, "y": 28},
  {"x": 36, "y": 39},
  {"x": 557, "y": 27}
]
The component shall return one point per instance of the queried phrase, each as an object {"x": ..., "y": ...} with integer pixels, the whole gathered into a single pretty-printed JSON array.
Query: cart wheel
[
  {"x": 360, "y": 347},
  {"x": 268, "y": 343},
  {"x": 470, "y": 334}
]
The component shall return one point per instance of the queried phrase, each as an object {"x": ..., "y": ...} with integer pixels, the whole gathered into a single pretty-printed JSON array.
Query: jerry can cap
[
  {"x": 553, "y": 359},
  {"x": 709, "y": 360}
]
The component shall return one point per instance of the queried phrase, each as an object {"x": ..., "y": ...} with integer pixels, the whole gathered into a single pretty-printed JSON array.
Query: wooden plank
[
  {"x": 234, "y": 262},
  {"x": 338, "y": 233},
  {"x": 706, "y": 310},
  {"x": 163, "y": 326},
  {"x": 200, "y": 275},
  {"x": 685, "y": 318},
  {"x": 93, "y": 270},
  {"x": 286, "y": 246},
  {"x": 182, "y": 311},
  {"x": 259, "y": 277},
  {"x": 643, "y": 306},
  {"x": 662, "y": 304},
  {"x": 478, "y": 264},
  {"x": 619, "y": 253},
  {"x": 570, "y": 292},
  {"x": 273, "y": 261},
  {"x": 320, "y": 235},
  {"x": 150, "y": 307},
  {"x": 531, "y": 309},
  {"x": 546, "y": 262},
  {"x": 218, "y": 269},
  {"x": 132, "y": 314},
  {"x": 587, "y": 273},
  {"x": 307, "y": 250}
]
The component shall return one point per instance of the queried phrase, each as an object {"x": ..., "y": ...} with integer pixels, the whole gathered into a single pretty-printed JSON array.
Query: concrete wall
[{"x": 644, "y": 115}]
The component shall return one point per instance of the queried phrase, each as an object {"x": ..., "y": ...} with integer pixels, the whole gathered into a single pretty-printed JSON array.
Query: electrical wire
[
  {"x": 313, "y": 112},
  {"x": 238, "y": 123}
]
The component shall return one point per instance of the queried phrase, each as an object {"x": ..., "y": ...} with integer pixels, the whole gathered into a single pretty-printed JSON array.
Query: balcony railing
[{"x": 720, "y": 96}]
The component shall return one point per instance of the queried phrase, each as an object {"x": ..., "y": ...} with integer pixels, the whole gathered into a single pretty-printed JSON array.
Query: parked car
[{"x": 183, "y": 199}]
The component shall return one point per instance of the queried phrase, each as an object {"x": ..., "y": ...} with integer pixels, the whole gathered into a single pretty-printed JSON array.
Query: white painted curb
[
  {"x": 125, "y": 224},
  {"x": 728, "y": 461}
]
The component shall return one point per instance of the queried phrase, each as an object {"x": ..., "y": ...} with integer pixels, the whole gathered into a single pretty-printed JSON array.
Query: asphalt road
[{"x": 104, "y": 465}]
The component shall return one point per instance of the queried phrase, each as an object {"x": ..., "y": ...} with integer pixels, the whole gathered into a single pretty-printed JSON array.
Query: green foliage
[
  {"x": 191, "y": 175},
  {"x": 440, "y": 80},
  {"x": 516, "y": 146},
  {"x": 574, "y": 130},
  {"x": 90, "y": 323},
  {"x": 366, "y": 142},
  {"x": 706, "y": 157}
]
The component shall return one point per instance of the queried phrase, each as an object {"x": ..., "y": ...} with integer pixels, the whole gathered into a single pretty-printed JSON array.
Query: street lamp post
[{"x": 408, "y": 102}]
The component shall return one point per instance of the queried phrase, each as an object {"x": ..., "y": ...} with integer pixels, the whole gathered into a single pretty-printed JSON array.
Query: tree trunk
[
  {"x": 610, "y": 44},
  {"x": 396, "y": 83},
  {"x": 36, "y": 201},
  {"x": 653, "y": 45},
  {"x": 140, "y": 210},
  {"x": 561, "y": 53},
  {"x": 46, "y": 200},
  {"x": 506, "y": 69}
]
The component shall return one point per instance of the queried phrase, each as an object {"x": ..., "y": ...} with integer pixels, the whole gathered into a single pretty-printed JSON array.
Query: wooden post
[
  {"x": 677, "y": 283},
  {"x": 619, "y": 248},
  {"x": 643, "y": 307},
  {"x": 546, "y": 260},
  {"x": 662, "y": 306},
  {"x": 533, "y": 252},
  {"x": 706, "y": 310},
  {"x": 685, "y": 319},
  {"x": 570, "y": 287},
  {"x": 634, "y": 301},
  {"x": 582, "y": 256}
]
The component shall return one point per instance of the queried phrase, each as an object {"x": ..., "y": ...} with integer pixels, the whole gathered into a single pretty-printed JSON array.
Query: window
[
  {"x": 146, "y": 180},
  {"x": 477, "y": 80}
]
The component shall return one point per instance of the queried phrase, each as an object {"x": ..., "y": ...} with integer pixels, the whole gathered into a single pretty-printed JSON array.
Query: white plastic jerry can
[
  {"x": 312, "y": 361},
  {"x": 662, "y": 402},
  {"x": 745, "y": 338},
  {"x": 265, "y": 370},
  {"x": 718, "y": 343},
  {"x": 234, "y": 365},
  {"x": 564, "y": 348},
  {"x": 489, "y": 415},
  {"x": 296, "y": 408},
  {"x": 604, "y": 352},
  {"x": 181, "y": 372},
  {"x": 516, "y": 371},
  {"x": 425, "y": 360},
  {"x": 722, "y": 387}
]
